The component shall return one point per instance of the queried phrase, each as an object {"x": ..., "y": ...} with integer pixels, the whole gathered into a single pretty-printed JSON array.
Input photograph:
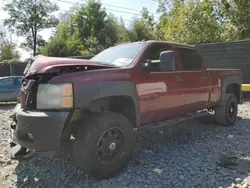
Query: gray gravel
[{"x": 196, "y": 153}]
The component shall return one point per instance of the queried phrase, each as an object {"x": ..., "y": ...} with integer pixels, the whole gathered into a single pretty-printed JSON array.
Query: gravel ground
[{"x": 196, "y": 153}]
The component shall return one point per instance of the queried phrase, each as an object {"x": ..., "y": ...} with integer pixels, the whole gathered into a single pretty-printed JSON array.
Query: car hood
[{"x": 41, "y": 64}]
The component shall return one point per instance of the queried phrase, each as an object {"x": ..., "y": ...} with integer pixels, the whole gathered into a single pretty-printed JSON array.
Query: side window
[
  {"x": 7, "y": 82},
  {"x": 18, "y": 81},
  {"x": 190, "y": 59},
  {"x": 153, "y": 54}
]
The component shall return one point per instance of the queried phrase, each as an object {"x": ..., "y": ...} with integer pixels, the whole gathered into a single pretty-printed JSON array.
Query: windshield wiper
[{"x": 109, "y": 64}]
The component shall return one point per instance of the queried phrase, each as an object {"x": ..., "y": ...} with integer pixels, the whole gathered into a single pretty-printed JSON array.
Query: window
[
  {"x": 122, "y": 55},
  {"x": 18, "y": 81},
  {"x": 153, "y": 53},
  {"x": 6, "y": 82},
  {"x": 190, "y": 59}
]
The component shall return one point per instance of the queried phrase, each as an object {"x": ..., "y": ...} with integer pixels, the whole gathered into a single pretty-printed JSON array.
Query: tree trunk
[
  {"x": 35, "y": 33},
  {"x": 34, "y": 43}
]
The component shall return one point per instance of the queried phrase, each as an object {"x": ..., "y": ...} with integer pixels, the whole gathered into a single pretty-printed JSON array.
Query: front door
[{"x": 160, "y": 91}]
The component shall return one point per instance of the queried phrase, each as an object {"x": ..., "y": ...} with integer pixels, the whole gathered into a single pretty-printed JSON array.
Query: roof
[
  {"x": 172, "y": 43},
  {"x": 166, "y": 42}
]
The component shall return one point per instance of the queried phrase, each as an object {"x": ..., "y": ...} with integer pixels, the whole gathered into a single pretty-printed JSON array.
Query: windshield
[{"x": 121, "y": 55}]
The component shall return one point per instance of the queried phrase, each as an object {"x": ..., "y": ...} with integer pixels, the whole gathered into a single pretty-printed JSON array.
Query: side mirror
[{"x": 167, "y": 60}]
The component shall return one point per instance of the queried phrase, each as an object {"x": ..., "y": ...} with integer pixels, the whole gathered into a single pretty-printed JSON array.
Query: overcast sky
[{"x": 128, "y": 11}]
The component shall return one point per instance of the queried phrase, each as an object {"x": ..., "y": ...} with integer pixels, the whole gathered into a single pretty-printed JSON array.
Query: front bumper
[{"x": 39, "y": 131}]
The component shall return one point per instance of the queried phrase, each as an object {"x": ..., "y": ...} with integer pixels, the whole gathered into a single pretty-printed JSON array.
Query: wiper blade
[{"x": 109, "y": 64}]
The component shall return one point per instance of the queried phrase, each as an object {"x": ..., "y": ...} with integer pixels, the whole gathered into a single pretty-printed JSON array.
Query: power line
[
  {"x": 122, "y": 12},
  {"x": 122, "y": 7},
  {"x": 105, "y": 8},
  {"x": 126, "y": 19},
  {"x": 65, "y": 1}
]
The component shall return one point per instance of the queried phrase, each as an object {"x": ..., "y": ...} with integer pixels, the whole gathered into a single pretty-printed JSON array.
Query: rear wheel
[
  {"x": 104, "y": 144},
  {"x": 226, "y": 112}
]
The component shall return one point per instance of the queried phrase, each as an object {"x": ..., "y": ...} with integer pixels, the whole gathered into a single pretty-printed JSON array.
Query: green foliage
[
  {"x": 140, "y": 30},
  {"x": 191, "y": 22},
  {"x": 236, "y": 16},
  {"x": 88, "y": 30},
  {"x": 28, "y": 17},
  {"x": 61, "y": 44},
  {"x": 8, "y": 52},
  {"x": 7, "y": 48}
]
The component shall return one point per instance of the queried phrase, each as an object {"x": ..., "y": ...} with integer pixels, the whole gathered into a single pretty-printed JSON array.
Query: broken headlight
[{"x": 54, "y": 96}]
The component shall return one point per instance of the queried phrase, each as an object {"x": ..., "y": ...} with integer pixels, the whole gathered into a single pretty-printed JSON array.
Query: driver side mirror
[{"x": 167, "y": 60}]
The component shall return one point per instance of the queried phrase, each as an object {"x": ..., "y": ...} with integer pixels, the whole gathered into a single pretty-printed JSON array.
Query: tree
[
  {"x": 28, "y": 17},
  {"x": 140, "y": 30},
  {"x": 85, "y": 30},
  {"x": 28, "y": 44},
  {"x": 122, "y": 32},
  {"x": 190, "y": 22},
  {"x": 147, "y": 17},
  {"x": 235, "y": 16},
  {"x": 93, "y": 28},
  {"x": 7, "y": 47},
  {"x": 61, "y": 45}
]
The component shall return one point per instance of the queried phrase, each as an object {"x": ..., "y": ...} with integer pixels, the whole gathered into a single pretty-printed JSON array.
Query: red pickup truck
[{"x": 103, "y": 101}]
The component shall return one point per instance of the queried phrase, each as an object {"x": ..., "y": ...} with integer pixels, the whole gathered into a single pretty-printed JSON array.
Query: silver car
[{"x": 10, "y": 88}]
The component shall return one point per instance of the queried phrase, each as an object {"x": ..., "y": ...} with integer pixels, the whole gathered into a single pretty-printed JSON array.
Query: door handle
[
  {"x": 204, "y": 77},
  {"x": 179, "y": 79},
  {"x": 149, "y": 98}
]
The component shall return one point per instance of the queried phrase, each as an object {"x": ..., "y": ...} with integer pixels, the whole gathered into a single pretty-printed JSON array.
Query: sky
[{"x": 129, "y": 10}]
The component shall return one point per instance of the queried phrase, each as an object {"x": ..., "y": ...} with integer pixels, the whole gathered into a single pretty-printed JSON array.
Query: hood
[{"x": 41, "y": 64}]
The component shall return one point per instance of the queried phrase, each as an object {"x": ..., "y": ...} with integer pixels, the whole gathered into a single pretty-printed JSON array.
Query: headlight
[{"x": 54, "y": 96}]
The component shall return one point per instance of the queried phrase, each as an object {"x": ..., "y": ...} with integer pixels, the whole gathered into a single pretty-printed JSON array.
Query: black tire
[
  {"x": 226, "y": 112},
  {"x": 88, "y": 137}
]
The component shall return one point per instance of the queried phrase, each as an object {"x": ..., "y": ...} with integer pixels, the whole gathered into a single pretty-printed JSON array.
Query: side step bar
[{"x": 164, "y": 123}]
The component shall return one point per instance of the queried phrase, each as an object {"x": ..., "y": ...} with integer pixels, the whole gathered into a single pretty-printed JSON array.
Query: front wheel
[
  {"x": 226, "y": 112},
  {"x": 104, "y": 144}
]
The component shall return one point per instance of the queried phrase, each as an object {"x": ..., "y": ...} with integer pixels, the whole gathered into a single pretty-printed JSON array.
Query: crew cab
[{"x": 103, "y": 101}]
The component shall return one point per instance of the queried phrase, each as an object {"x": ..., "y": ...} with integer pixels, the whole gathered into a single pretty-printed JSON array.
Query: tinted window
[
  {"x": 153, "y": 54},
  {"x": 190, "y": 59},
  {"x": 154, "y": 51},
  {"x": 7, "y": 82}
]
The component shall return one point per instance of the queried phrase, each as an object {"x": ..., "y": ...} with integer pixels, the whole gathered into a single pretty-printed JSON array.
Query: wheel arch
[
  {"x": 231, "y": 84},
  {"x": 107, "y": 94}
]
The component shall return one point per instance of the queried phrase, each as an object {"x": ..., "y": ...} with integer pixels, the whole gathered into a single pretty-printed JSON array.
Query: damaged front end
[
  {"x": 44, "y": 108},
  {"x": 37, "y": 125}
]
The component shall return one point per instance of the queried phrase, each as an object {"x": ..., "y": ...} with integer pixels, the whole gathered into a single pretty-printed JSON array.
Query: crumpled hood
[{"x": 41, "y": 64}]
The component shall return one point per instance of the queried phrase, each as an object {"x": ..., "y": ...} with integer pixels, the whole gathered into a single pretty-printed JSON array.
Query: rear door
[
  {"x": 195, "y": 78},
  {"x": 160, "y": 94}
]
